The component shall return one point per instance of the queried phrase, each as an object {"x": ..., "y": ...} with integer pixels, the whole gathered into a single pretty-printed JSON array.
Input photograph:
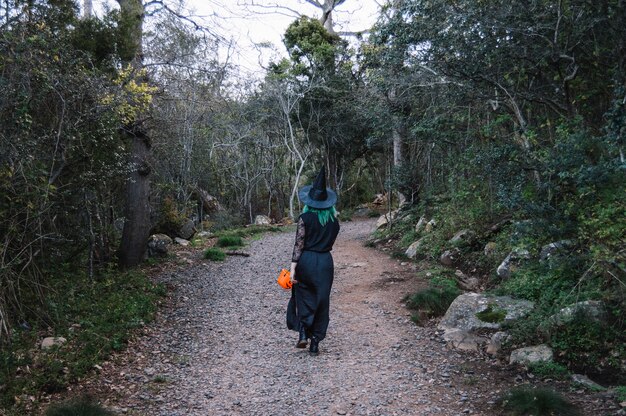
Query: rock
[
  {"x": 490, "y": 248},
  {"x": 462, "y": 235},
  {"x": 587, "y": 382},
  {"x": 411, "y": 252},
  {"x": 420, "y": 224},
  {"x": 209, "y": 203},
  {"x": 495, "y": 343},
  {"x": 262, "y": 220},
  {"x": 530, "y": 355},
  {"x": 510, "y": 263},
  {"x": 430, "y": 226},
  {"x": 464, "y": 340},
  {"x": 187, "y": 230},
  {"x": 594, "y": 310},
  {"x": 380, "y": 199},
  {"x": 181, "y": 241},
  {"x": 466, "y": 282},
  {"x": 157, "y": 245},
  {"x": 204, "y": 234},
  {"x": 50, "y": 342},
  {"x": 462, "y": 312},
  {"x": 385, "y": 219},
  {"x": 448, "y": 257},
  {"x": 552, "y": 249},
  {"x": 363, "y": 212}
]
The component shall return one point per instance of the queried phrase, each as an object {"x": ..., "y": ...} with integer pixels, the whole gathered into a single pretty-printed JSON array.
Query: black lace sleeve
[{"x": 299, "y": 245}]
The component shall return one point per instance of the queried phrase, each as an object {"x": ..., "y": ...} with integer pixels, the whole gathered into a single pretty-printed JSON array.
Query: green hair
[{"x": 323, "y": 215}]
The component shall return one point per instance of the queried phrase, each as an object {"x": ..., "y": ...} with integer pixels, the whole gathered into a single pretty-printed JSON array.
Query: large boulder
[
  {"x": 531, "y": 355},
  {"x": 464, "y": 312},
  {"x": 262, "y": 220},
  {"x": 187, "y": 230},
  {"x": 158, "y": 245},
  {"x": 209, "y": 203}
]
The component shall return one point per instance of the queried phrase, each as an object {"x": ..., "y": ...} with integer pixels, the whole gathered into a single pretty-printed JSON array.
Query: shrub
[
  {"x": 230, "y": 241},
  {"x": 214, "y": 254},
  {"x": 78, "y": 407},
  {"x": 526, "y": 401},
  {"x": 434, "y": 300},
  {"x": 549, "y": 370}
]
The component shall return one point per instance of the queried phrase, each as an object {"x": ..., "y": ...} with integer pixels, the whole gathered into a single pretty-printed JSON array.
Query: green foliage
[
  {"x": 492, "y": 314},
  {"x": 346, "y": 215},
  {"x": 230, "y": 241},
  {"x": 525, "y": 401},
  {"x": 78, "y": 407},
  {"x": 549, "y": 370},
  {"x": 621, "y": 393},
  {"x": 214, "y": 254},
  {"x": 97, "y": 317},
  {"x": 434, "y": 300},
  {"x": 170, "y": 219}
]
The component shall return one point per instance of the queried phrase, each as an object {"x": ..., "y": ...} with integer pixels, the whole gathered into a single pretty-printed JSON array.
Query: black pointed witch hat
[{"x": 318, "y": 195}]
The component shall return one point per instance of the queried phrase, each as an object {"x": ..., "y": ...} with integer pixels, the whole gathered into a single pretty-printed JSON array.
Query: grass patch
[
  {"x": 537, "y": 402},
  {"x": 620, "y": 392},
  {"x": 78, "y": 407},
  {"x": 549, "y": 370},
  {"x": 96, "y": 316},
  {"x": 492, "y": 314},
  {"x": 214, "y": 254},
  {"x": 229, "y": 241}
]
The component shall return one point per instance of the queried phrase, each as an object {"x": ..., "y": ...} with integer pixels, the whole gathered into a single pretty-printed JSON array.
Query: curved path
[{"x": 222, "y": 347}]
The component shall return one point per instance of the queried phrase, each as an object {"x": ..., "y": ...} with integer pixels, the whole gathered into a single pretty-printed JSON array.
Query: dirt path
[{"x": 222, "y": 348}]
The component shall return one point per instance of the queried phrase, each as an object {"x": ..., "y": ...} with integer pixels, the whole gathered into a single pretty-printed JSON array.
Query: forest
[{"x": 503, "y": 118}]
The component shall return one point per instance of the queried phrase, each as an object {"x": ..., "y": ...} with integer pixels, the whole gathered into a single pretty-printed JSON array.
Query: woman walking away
[{"x": 312, "y": 265}]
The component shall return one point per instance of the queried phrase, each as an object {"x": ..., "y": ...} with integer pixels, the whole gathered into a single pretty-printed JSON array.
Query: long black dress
[{"x": 314, "y": 273}]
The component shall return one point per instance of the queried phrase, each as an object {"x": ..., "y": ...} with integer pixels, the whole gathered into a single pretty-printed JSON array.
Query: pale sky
[
  {"x": 257, "y": 26},
  {"x": 252, "y": 23}
]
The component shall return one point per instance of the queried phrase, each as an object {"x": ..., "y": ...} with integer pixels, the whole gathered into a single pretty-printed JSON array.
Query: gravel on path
[{"x": 222, "y": 347}]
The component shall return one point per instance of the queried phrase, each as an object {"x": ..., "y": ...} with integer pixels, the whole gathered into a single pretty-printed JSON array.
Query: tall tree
[{"x": 137, "y": 216}]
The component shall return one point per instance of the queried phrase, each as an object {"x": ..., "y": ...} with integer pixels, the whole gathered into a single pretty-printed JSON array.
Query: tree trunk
[
  {"x": 87, "y": 9},
  {"x": 137, "y": 224}
]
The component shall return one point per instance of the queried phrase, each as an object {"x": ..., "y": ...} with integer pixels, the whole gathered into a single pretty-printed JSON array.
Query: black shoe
[
  {"x": 302, "y": 341},
  {"x": 314, "y": 347}
]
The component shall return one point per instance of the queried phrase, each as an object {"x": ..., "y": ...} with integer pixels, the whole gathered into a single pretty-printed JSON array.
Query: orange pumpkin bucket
[{"x": 284, "y": 279}]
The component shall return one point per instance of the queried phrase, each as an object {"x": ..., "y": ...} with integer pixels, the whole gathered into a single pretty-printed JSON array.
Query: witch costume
[{"x": 308, "y": 310}]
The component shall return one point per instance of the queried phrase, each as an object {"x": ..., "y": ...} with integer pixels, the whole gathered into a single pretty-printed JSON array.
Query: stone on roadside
[
  {"x": 495, "y": 343},
  {"x": 204, "y": 234},
  {"x": 587, "y": 382},
  {"x": 490, "y": 248},
  {"x": 262, "y": 220},
  {"x": 181, "y": 241},
  {"x": 510, "y": 263},
  {"x": 430, "y": 226},
  {"x": 50, "y": 342},
  {"x": 411, "y": 252},
  {"x": 553, "y": 249},
  {"x": 462, "y": 312},
  {"x": 462, "y": 235},
  {"x": 187, "y": 230},
  {"x": 530, "y": 355},
  {"x": 594, "y": 310},
  {"x": 157, "y": 244},
  {"x": 464, "y": 340},
  {"x": 420, "y": 224},
  {"x": 448, "y": 257},
  {"x": 385, "y": 219}
]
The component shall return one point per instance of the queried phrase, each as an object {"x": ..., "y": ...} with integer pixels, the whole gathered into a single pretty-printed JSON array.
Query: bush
[
  {"x": 78, "y": 407},
  {"x": 434, "y": 300},
  {"x": 230, "y": 241},
  {"x": 525, "y": 401},
  {"x": 214, "y": 254},
  {"x": 549, "y": 370}
]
